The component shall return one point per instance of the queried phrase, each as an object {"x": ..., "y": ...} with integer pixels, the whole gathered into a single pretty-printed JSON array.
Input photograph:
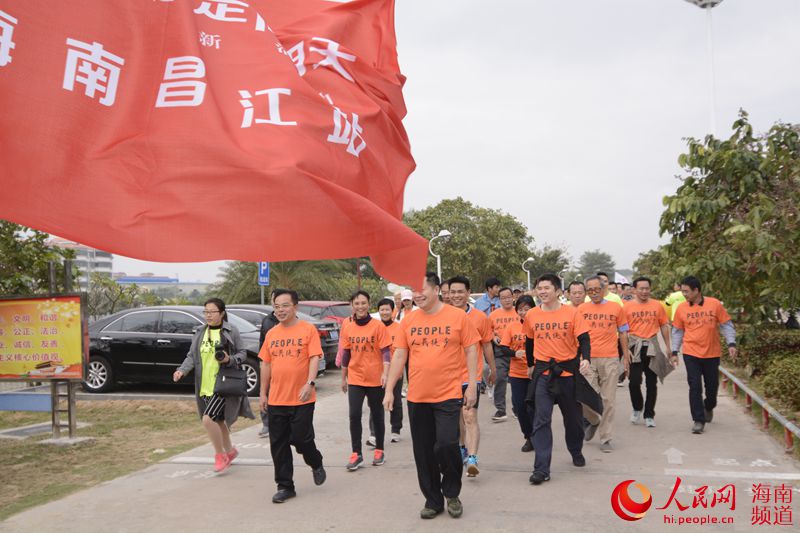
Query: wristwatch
[{"x": 311, "y": 382}]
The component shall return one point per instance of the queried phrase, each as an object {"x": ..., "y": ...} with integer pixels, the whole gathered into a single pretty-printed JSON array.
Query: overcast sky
[{"x": 570, "y": 115}]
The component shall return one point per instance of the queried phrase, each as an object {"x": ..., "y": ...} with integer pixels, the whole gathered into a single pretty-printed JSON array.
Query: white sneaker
[
  {"x": 395, "y": 437},
  {"x": 649, "y": 422},
  {"x": 636, "y": 417},
  {"x": 371, "y": 441}
]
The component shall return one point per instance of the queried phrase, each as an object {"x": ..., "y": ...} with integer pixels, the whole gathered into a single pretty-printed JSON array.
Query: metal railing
[{"x": 790, "y": 430}]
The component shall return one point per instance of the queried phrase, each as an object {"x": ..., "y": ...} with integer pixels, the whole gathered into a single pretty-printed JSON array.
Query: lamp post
[
  {"x": 708, "y": 5},
  {"x": 528, "y": 272},
  {"x": 444, "y": 234}
]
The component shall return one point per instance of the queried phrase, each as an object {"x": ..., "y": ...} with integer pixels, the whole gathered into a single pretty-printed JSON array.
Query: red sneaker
[
  {"x": 221, "y": 462},
  {"x": 379, "y": 458},
  {"x": 233, "y": 454}
]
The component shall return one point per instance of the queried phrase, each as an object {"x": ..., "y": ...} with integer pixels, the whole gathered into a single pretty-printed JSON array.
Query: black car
[
  {"x": 148, "y": 344},
  {"x": 328, "y": 329}
]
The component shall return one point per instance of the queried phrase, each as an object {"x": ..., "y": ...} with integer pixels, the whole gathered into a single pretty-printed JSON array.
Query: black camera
[{"x": 219, "y": 351}]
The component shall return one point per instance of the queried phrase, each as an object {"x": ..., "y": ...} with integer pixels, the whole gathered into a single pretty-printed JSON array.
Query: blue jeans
[{"x": 701, "y": 371}]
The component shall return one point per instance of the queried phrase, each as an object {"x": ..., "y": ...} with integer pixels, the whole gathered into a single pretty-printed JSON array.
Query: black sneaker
[
  {"x": 319, "y": 475},
  {"x": 709, "y": 415},
  {"x": 698, "y": 428},
  {"x": 537, "y": 478},
  {"x": 528, "y": 446},
  {"x": 590, "y": 431},
  {"x": 454, "y": 507},
  {"x": 579, "y": 460},
  {"x": 282, "y": 495},
  {"x": 427, "y": 513},
  {"x": 500, "y": 416}
]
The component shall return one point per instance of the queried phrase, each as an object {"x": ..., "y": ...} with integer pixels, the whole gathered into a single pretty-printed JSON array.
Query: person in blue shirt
[{"x": 490, "y": 299}]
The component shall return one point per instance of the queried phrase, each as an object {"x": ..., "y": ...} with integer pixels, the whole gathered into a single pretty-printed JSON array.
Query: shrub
[
  {"x": 767, "y": 347},
  {"x": 782, "y": 380}
]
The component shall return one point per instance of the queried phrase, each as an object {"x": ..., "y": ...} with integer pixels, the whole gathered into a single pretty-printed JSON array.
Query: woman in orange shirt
[{"x": 513, "y": 343}]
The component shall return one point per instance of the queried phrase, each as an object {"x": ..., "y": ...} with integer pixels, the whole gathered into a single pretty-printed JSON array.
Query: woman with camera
[{"x": 216, "y": 345}]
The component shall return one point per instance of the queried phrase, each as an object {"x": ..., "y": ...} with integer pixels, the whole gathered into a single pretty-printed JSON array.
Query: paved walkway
[{"x": 182, "y": 494}]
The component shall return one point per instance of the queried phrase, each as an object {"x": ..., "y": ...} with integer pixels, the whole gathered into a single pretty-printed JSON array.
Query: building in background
[
  {"x": 88, "y": 260},
  {"x": 163, "y": 286}
]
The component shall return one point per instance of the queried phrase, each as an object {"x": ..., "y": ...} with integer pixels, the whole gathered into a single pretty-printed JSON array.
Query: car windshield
[
  {"x": 241, "y": 324},
  {"x": 343, "y": 311}
]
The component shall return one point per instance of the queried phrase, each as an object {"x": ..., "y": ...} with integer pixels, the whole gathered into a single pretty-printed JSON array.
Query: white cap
[{"x": 406, "y": 295}]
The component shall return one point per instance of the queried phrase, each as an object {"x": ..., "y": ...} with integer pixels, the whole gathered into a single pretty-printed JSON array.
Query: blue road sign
[{"x": 263, "y": 273}]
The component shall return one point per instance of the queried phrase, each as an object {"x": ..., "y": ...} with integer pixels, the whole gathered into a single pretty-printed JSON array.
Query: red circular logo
[{"x": 625, "y": 507}]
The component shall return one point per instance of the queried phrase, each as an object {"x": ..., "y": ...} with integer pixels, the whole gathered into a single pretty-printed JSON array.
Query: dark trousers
[
  {"x": 700, "y": 371},
  {"x": 291, "y": 425},
  {"x": 501, "y": 363},
  {"x": 635, "y": 387},
  {"x": 396, "y": 414},
  {"x": 543, "y": 418},
  {"x": 374, "y": 395},
  {"x": 434, "y": 437},
  {"x": 519, "y": 389}
]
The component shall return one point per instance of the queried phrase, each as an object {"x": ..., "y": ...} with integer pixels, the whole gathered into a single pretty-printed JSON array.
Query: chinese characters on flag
[{"x": 196, "y": 130}]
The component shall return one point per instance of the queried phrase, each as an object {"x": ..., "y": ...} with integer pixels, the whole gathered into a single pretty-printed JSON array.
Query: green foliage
[
  {"x": 313, "y": 280},
  {"x": 547, "y": 260},
  {"x": 762, "y": 349},
  {"x": 24, "y": 257},
  {"x": 734, "y": 220},
  {"x": 653, "y": 264},
  {"x": 594, "y": 261},
  {"x": 105, "y": 296},
  {"x": 484, "y": 242},
  {"x": 782, "y": 378}
]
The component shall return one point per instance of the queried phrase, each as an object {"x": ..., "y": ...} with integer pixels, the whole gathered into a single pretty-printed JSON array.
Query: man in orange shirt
[
  {"x": 608, "y": 331},
  {"x": 365, "y": 365},
  {"x": 646, "y": 320},
  {"x": 500, "y": 319},
  {"x": 439, "y": 342},
  {"x": 576, "y": 293},
  {"x": 445, "y": 294},
  {"x": 555, "y": 334},
  {"x": 386, "y": 312},
  {"x": 290, "y": 358},
  {"x": 695, "y": 325},
  {"x": 470, "y": 429},
  {"x": 513, "y": 342}
]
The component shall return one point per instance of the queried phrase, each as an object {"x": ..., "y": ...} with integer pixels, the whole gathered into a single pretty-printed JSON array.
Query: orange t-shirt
[
  {"x": 603, "y": 321},
  {"x": 435, "y": 344},
  {"x": 365, "y": 344},
  {"x": 392, "y": 330},
  {"x": 288, "y": 350},
  {"x": 514, "y": 337},
  {"x": 645, "y": 319},
  {"x": 501, "y": 319},
  {"x": 484, "y": 327},
  {"x": 554, "y": 333},
  {"x": 700, "y": 324}
]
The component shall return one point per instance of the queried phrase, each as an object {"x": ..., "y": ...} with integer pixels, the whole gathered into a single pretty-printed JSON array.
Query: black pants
[
  {"x": 291, "y": 425},
  {"x": 374, "y": 395},
  {"x": 519, "y": 389},
  {"x": 699, "y": 371},
  {"x": 635, "y": 387},
  {"x": 396, "y": 414},
  {"x": 571, "y": 412},
  {"x": 434, "y": 436}
]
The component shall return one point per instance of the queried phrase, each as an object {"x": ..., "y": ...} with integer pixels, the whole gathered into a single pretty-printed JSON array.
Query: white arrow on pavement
[{"x": 674, "y": 456}]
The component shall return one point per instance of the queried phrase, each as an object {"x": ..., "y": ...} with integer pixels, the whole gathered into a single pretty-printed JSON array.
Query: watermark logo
[{"x": 625, "y": 507}]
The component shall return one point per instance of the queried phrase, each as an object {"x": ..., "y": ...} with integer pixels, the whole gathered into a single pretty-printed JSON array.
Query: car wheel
[
  {"x": 99, "y": 376},
  {"x": 251, "y": 368}
]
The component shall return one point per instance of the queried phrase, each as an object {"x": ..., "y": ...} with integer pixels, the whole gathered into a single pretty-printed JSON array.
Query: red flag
[{"x": 188, "y": 131}]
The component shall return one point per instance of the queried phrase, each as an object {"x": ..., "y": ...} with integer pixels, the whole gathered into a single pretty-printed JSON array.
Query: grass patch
[{"x": 126, "y": 433}]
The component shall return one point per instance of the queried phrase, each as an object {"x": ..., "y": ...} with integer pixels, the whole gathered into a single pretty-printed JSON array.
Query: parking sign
[{"x": 263, "y": 273}]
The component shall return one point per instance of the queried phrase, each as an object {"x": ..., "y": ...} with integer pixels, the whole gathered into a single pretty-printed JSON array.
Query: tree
[
  {"x": 594, "y": 261},
  {"x": 24, "y": 258},
  {"x": 547, "y": 259},
  {"x": 653, "y": 264},
  {"x": 106, "y": 296},
  {"x": 734, "y": 221},
  {"x": 484, "y": 242}
]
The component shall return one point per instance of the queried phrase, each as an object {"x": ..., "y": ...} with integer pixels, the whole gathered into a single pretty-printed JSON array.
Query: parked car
[
  {"x": 337, "y": 311},
  {"x": 328, "y": 329},
  {"x": 148, "y": 344}
]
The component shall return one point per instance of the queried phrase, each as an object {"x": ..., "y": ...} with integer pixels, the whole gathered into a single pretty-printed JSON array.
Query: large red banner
[{"x": 200, "y": 130}]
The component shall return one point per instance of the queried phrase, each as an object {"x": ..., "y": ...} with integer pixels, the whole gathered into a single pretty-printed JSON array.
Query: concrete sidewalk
[{"x": 183, "y": 494}]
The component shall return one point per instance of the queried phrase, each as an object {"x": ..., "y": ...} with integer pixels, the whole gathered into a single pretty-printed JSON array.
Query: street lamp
[
  {"x": 528, "y": 272},
  {"x": 708, "y": 5},
  {"x": 444, "y": 233}
]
